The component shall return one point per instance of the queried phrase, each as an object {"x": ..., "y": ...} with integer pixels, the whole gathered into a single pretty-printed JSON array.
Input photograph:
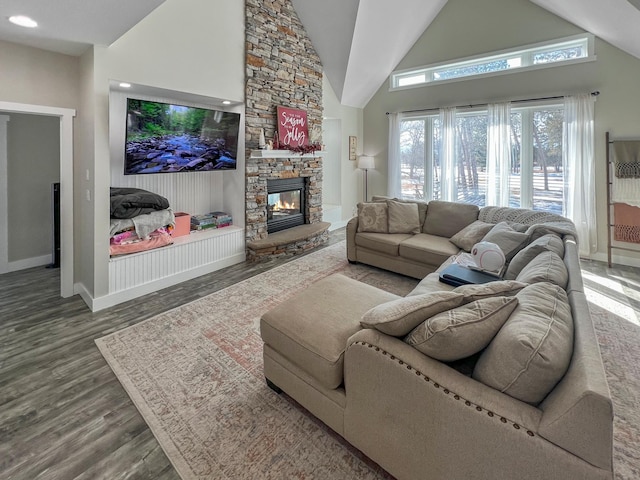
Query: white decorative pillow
[
  {"x": 398, "y": 317},
  {"x": 508, "y": 239},
  {"x": 532, "y": 351},
  {"x": 373, "y": 217},
  {"x": 471, "y": 234},
  {"x": 463, "y": 331},
  {"x": 403, "y": 217}
]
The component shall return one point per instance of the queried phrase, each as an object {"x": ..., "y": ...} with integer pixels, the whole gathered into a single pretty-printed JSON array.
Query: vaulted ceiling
[{"x": 360, "y": 42}]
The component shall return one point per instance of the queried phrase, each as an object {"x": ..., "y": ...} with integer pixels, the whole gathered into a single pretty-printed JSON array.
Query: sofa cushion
[
  {"x": 509, "y": 240},
  {"x": 445, "y": 219},
  {"x": 403, "y": 217},
  {"x": 429, "y": 249},
  {"x": 399, "y": 317},
  {"x": 311, "y": 329},
  {"x": 490, "y": 289},
  {"x": 382, "y": 242},
  {"x": 549, "y": 242},
  {"x": 462, "y": 331},
  {"x": 545, "y": 267},
  {"x": 430, "y": 284},
  {"x": 372, "y": 217},
  {"x": 532, "y": 351},
  {"x": 471, "y": 234}
]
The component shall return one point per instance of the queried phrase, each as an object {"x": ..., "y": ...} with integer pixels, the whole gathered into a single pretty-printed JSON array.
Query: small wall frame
[{"x": 353, "y": 147}]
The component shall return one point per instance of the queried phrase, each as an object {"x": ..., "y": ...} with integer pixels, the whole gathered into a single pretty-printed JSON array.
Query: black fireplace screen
[{"x": 285, "y": 207}]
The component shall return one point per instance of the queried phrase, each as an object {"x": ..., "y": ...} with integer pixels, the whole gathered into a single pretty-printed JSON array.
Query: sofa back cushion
[
  {"x": 545, "y": 267},
  {"x": 445, "y": 219},
  {"x": 373, "y": 217},
  {"x": 532, "y": 351},
  {"x": 403, "y": 217},
  {"x": 549, "y": 242}
]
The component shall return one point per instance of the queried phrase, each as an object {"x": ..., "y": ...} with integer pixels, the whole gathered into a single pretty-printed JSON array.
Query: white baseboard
[
  {"x": 29, "y": 263},
  {"x": 100, "y": 303},
  {"x": 617, "y": 259}
]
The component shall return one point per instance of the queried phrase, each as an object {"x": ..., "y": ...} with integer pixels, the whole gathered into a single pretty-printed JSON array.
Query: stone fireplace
[{"x": 282, "y": 69}]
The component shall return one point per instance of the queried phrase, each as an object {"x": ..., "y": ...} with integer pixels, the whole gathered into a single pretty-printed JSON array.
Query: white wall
[
  {"x": 351, "y": 120},
  {"x": 34, "y": 76},
  {"x": 33, "y": 143},
  {"x": 466, "y": 28}
]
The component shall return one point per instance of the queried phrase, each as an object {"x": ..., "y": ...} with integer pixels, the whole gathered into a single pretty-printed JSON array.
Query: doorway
[{"x": 65, "y": 117}]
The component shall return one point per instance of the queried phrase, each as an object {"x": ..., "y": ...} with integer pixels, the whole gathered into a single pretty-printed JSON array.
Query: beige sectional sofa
[{"x": 501, "y": 380}]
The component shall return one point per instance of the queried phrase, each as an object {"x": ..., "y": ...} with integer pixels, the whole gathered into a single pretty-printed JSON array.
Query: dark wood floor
[{"x": 63, "y": 413}]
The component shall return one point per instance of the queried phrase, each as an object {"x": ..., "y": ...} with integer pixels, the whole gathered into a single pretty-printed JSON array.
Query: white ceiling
[
  {"x": 71, "y": 26},
  {"x": 358, "y": 41}
]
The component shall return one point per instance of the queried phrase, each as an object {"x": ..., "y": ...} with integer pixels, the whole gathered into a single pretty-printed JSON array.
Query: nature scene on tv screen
[{"x": 166, "y": 138}]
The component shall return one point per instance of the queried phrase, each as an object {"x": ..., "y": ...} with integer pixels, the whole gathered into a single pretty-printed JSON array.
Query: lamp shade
[{"x": 366, "y": 162}]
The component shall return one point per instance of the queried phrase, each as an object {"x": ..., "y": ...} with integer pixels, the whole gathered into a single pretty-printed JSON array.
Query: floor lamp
[{"x": 366, "y": 163}]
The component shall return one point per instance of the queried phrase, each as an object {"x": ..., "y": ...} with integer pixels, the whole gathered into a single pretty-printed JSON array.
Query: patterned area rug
[{"x": 195, "y": 374}]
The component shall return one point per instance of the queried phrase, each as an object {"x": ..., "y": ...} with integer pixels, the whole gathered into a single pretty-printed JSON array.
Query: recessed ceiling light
[
  {"x": 125, "y": 85},
  {"x": 226, "y": 102},
  {"x": 23, "y": 21}
]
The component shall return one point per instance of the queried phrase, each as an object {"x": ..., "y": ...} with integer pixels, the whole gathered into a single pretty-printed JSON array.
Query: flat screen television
[{"x": 169, "y": 138}]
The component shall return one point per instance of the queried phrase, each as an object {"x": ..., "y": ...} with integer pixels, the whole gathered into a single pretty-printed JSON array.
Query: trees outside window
[{"x": 536, "y": 176}]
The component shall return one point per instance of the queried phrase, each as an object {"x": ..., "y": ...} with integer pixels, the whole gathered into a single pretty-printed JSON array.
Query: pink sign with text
[{"x": 293, "y": 130}]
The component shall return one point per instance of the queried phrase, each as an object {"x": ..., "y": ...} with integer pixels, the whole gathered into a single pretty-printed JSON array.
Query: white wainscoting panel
[{"x": 190, "y": 256}]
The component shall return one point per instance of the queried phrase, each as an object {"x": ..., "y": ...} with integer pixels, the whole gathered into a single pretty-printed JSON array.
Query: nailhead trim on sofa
[{"x": 446, "y": 391}]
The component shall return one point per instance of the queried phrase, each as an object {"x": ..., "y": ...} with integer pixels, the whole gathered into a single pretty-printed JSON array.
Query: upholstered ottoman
[{"x": 305, "y": 338}]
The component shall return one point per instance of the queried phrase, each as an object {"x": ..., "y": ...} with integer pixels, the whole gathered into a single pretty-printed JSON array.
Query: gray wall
[
  {"x": 33, "y": 164},
  {"x": 465, "y": 28}
]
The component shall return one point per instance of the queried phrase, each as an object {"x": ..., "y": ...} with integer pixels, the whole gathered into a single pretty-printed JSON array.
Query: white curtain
[
  {"x": 394, "y": 173},
  {"x": 448, "y": 154},
  {"x": 579, "y": 167},
  {"x": 498, "y": 154}
]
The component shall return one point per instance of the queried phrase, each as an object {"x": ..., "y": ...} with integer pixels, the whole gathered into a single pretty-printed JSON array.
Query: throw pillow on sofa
[
  {"x": 470, "y": 235},
  {"x": 509, "y": 240},
  {"x": 478, "y": 291},
  {"x": 462, "y": 331},
  {"x": 373, "y": 217},
  {"x": 546, "y": 267},
  {"x": 422, "y": 208},
  {"x": 548, "y": 242},
  {"x": 403, "y": 217},
  {"x": 398, "y": 317},
  {"x": 532, "y": 351}
]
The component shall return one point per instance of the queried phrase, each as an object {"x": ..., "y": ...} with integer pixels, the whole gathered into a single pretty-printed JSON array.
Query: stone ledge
[{"x": 290, "y": 235}]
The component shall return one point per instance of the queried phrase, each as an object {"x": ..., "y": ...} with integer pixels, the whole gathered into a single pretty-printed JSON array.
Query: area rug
[{"x": 195, "y": 374}]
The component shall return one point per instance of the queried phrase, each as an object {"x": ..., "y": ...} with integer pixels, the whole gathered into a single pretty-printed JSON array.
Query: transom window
[
  {"x": 535, "y": 167},
  {"x": 557, "y": 52}
]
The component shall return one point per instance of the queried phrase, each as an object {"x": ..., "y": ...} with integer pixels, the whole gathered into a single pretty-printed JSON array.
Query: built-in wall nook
[{"x": 192, "y": 192}]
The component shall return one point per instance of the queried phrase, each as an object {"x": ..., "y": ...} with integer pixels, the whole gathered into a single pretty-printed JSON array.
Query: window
[
  {"x": 535, "y": 170},
  {"x": 541, "y": 55}
]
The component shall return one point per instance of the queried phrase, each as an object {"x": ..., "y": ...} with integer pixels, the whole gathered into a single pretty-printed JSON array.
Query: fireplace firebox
[{"x": 286, "y": 203}]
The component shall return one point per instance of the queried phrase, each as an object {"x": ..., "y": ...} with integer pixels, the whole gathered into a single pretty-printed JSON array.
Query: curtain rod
[{"x": 473, "y": 105}]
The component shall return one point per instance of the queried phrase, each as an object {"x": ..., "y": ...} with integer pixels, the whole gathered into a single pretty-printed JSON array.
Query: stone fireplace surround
[{"x": 282, "y": 69}]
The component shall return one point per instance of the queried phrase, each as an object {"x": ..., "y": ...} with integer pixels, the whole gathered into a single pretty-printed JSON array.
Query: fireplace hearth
[{"x": 286, "y": 203}]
